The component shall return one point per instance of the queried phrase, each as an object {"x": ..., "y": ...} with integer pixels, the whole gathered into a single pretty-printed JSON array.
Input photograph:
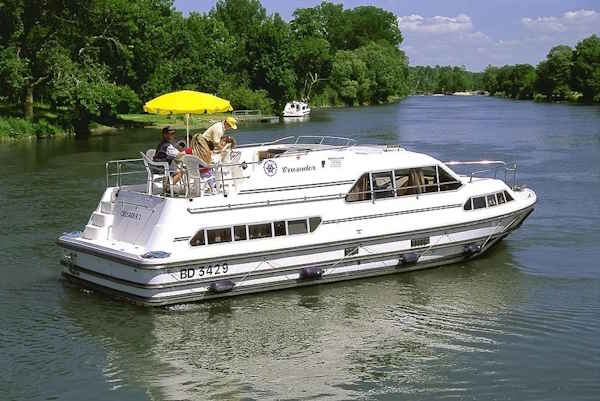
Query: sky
[{"x": 473, "y": 33}]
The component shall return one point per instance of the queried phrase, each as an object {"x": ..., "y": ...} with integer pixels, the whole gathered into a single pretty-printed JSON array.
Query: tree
[
  {"x": 312, "y": 58},
  {"x": 349, "y": 76},
  {"x": 586, "y": 68},
  {"x": 371, "y": 24},
  {"x": 386, "y": 71},
  {"x": 554, "y": 74}
]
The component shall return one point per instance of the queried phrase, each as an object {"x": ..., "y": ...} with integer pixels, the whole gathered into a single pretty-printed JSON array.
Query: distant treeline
[
  {"x": 566, "y": 74},
  {"x": 95, "y": 59},
  {"x": 443, "y": 79}
]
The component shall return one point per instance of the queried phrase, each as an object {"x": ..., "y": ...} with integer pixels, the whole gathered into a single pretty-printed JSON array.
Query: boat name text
[
  {"x": 298, "y": 169},
  {"x": 131, "y": 215}
]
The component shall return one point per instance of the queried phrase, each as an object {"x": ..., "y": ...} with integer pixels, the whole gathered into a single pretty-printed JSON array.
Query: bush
[
  {"x": 244, "y": 98},
  {"x": 20, "y": 128}
]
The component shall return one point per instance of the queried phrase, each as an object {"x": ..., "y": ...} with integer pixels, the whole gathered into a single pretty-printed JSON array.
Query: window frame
[{"x": 219, "y": 228}]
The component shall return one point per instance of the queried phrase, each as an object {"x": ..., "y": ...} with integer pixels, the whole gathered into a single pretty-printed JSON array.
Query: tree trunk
[
  {"x": 81, "y": 123},
  {"x": 28, "y": 105}
]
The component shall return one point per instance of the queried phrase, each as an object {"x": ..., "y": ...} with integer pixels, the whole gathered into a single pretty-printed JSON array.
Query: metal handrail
[
  {"x": 323, "y": 138},
  {"x": 248, "y": 145},
  {"x": 501, "y": 165}
]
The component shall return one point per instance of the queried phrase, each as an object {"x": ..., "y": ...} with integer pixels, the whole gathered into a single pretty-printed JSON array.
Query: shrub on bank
[{"x": 11, "y": 127}]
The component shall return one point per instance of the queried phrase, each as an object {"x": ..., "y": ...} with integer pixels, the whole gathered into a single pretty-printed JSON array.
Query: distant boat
[
  {"x": 296, "y": 109},
  {"x": 438, "y": 94}
]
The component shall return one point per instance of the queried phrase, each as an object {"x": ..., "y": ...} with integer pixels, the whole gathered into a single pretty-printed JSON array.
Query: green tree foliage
[
  {"x": 554, "y": 73},
  {"x": 443, "y": 79},
  {"x": 586, "y": 68}
]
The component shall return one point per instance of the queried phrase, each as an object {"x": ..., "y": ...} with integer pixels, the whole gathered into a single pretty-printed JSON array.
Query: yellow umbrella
[{"x": 187, "y": 102}]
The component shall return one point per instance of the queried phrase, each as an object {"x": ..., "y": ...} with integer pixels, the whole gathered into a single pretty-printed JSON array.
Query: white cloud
[
  {"x": 571, "y": 21},
  {"x": 437, "y": 24}
]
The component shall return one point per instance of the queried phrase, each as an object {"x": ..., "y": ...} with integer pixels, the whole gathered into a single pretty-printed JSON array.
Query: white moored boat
[
  {"x": 290, "y": 213},
  {"x": 296, "y": 109}
]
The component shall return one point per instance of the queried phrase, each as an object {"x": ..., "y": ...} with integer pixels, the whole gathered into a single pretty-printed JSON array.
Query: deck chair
[
  {"x": 157, "y": 171},
  {"x": 150, "y": 153},
  {"x": 195, "y": 184}
]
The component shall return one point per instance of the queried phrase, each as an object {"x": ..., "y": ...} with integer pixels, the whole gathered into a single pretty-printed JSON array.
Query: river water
[{"x": 522, "y": 323}]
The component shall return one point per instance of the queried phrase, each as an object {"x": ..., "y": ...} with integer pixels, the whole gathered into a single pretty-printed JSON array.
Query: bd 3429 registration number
[{"x": 201, "y": 271}]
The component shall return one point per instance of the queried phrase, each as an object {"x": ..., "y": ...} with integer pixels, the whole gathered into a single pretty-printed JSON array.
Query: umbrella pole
[{"x": 187, "y": 128}]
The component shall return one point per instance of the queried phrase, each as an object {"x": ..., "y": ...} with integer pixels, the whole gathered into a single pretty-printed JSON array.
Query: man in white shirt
[{"x": 215, "y": 132}]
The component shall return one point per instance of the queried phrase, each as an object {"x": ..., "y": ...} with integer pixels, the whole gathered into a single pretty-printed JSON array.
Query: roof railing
[{"x": 510, "y": 170}]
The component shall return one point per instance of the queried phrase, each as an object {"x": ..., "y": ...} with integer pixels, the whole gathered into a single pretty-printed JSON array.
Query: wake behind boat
[{"x": 288, "y": 213}]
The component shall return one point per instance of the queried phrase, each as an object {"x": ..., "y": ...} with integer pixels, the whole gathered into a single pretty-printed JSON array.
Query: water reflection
[{"x": 329, "y": 342}]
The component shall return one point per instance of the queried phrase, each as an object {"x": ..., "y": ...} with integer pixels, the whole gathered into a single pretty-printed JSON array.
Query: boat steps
[{"x": 100, "y": 219}]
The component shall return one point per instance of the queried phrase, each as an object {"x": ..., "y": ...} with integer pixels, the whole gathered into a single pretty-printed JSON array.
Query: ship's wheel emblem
[{"x": 270, "y": 168}]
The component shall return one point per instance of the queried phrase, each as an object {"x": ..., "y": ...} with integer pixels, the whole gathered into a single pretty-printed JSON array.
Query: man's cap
[
  {"x": 168, "y": 129},
  {"x": 232, "y": 122}
]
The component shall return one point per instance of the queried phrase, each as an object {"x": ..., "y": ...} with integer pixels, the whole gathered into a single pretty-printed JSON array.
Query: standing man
[
  {"x": 215, "y": 132},
  {"x": 166, "y": 152}
]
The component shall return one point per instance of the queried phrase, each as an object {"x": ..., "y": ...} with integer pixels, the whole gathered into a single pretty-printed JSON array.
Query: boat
[
  {"x": 293, "y": 212},
  {"x": 296, "y": 109}
]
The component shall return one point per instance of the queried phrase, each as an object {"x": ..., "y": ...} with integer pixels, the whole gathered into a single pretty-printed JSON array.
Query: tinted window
[
  {"x": 403, "y": 183},
  {"x": 198, "y": 239},
  {"x": 468, "y": 205},
  {"x": 259, "y": 230},
  {"x": 279, "y": 228},
  {"x": 218, "y": 235},
  {"x": 382, "y": 185},
  {"x": 507, "y": 196},
  {"x": 314, "y": 223},
  {"x": 239, "y": 233},
  {"x": 479, "y": 202},
  {"x": 500, "y": 196},
  {"x": 350, "y": 251},
  {"x": 361, "y": 190},
  {"x": 297, "y": 227},
  {"x": 429, "y": 179},
  {"x": 491, "y": 200},
  {"x": 419, "y": 242},
  {"x": 447, "y": 182}
]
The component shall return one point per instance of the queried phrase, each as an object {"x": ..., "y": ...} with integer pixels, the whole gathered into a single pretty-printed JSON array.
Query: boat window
[
  {"x": 403, "y": 183},
  {"x": 429, "y": 177},
  {"x": 491, "y": 200},
  {"x": 279, "y": 228},
  {"x": 447, "y": 182},
  {"x": 468, "y": 205},
  {"x": 218, "y": 235},
  {"x": 260, "y": 230},
  {"x": 361, "y": 190},
  {"x": 419, "y": 242},
  {"x": 297, "y": 227},
  {"x": 198, "y": 239},
  {"x": 382, "y": 185},
  {"x": 314, "y": 223},
  {"x": 479, "y": 202},
  {"x": 507, "y": 196},
  {"x": 239, "y": 233},
  {"x": 500, "y": 196},
  {"x": 351, "y": 251}
]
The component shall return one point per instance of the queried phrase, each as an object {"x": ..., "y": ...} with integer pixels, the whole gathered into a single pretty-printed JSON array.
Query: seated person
[
  {"x": 201, "y": 149},
  {"x": 166, "y": 152},
  {"x": 226, "y": 145},
  {"x": 181, "y": 146}
]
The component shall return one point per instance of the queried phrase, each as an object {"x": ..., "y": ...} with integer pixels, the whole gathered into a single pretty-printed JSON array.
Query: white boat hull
[{"x": 187, "y": 282}]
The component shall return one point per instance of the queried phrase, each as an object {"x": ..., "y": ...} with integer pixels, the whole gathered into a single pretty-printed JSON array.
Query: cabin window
[
  {"x": 361, "y": 190},
  {"x": 314, "y": 223},
  {"x": 500, "y": 196},
  {"x": 297, "y": 227},
  {"x": 257, "y": 231},
  {"x": 402, "y": 178},
  {"x": 419, "y": 242},
  {"x": 198, "y": 239},
  {"x": 491, "y": 200},
  {"x": 279, "y": 228},
  {"x": 429, "y": 177},
  {"x": 447, "y": 182},
  {"x": 479, "y": 202},
  {"x": 218, "y": 235},
  {"x": 351, "y": 251},
  {"x": 382, "y": 185},
  {"x": 468, "y": 205},
  {"x": 507, "y": 196},
  {"x": 239, "y": 233}
]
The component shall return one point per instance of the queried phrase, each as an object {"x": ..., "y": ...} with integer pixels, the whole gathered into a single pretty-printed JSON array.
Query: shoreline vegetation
[{"x": 116, "y": 54}]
